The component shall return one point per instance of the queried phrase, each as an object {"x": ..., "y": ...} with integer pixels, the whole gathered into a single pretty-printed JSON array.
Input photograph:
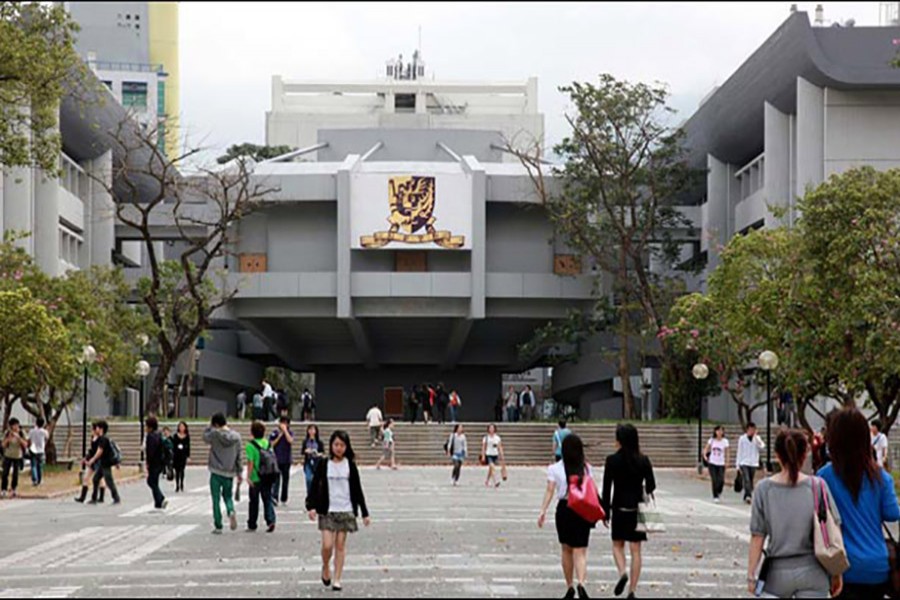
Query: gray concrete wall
[
  {"x": 302, "y": 238},
  {"x": 777, "y": 174},
  {"x": 518, "y": 239},
  {"x": 861, "y": 128},
  {"x": 105, "y": 30}
]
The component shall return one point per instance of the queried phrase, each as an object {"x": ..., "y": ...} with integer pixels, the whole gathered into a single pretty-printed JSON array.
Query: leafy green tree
[
  {"x": 37, "y": 59},
  {"x": 254, "y": 151}
]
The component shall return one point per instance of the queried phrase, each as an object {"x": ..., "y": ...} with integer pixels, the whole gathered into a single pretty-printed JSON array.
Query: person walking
[
  {"x": 457, "y": 449},
  {"x": 374, "y": 418},
  {"x": 101, "y": 462},
  {"x": 387, "y": 435},
  {"x": 224, "y": 465},
  {"x": 313, "y": 452},
  {"x": 14, "y": 447},
  {"x": 572, "y": 531},
  {"x": 37, "y": 445},
  {"x": 155, "y": 461},
  {"x": 864, "y": 494},
  {"x": 528, "y": 404},
  {"x": 561, "y": 433},
  {"x": 716, "y": 453},
  {"x": 336, "y": 499},
  {"x": 424, "y": 397},
  {"x": 455, "y": 405},
  {"x": 414, "y": 405},
  {"x": 747, "y": 460},
  {"x": 258, "y": 407},
  {"x": 181, "y": 452},
  {"x": 783, "y": 509},
  {"x": 628, "y": 474},
  {"x": 169, "y": 446},
  {"x": 85, "y": 475},
  {"x": 309, "y": 405},
  {"x": 260, "y": 482},
  {"x": 442, "y": 398},
  {"x": 241, "y": 404},
  {"x": 511, "y": 401},
  {"x": 282, "y": 442},
  {"x": 880, "y": 446},
  {"x": 492, "y": 455},
  {"x": 432, "y": 402}
]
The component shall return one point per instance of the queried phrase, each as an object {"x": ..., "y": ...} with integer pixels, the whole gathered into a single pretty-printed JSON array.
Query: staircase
[{"x": 668, "y": 446}]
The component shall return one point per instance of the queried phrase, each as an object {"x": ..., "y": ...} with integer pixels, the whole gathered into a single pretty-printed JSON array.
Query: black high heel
[{"x": 582, "y": 593}]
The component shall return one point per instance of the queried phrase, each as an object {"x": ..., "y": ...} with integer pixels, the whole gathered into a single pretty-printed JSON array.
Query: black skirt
[
  {"x": 624, "y": 524},
  {"x": 572, "y": 530}
]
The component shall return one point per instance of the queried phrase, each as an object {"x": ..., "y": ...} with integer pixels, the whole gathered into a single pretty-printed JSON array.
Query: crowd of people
[{"x": 269, "y": 404}]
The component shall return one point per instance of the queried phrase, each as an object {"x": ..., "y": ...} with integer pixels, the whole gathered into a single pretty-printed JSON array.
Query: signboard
[{"x": 416, "y": 209}]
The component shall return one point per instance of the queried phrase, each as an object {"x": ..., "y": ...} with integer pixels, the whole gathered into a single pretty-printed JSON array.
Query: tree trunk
[
  {"x": 625, "y": 376},
  {"x": 158, "y": 390}
]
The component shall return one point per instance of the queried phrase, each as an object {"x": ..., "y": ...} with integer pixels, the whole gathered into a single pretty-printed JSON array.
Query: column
[
  {"x": 17, "y": 203},
  {"x": 479, "y": 235},
  {"x": 100, "y": 213},
  {"x": 777, "y": 174},
  {"x": 46, "y": 222},
  {"x": 344, "y": 243},
  {"x": 810, "y": 137}
]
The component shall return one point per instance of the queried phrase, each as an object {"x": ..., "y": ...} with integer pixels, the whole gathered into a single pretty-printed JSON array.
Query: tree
[
  {"x": 37, "y": 59},
  {"x": 624, "y": 166},
  {"x": 186, "y": 284},
  {"x": 254, "y": 151}
]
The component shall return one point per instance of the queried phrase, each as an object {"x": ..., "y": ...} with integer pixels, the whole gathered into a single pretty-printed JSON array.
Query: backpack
[
  {"x": 115, "y": 455},
  {"x": 268, "y": 464}
]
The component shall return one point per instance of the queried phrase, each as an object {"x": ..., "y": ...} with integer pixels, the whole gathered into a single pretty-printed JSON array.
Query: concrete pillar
[
  {"x": 46, "y": 223},
  {"x": 344, "y": 245},
  {"x": 715, "y": 226},
  {"x": 810, "y": 147},
  {"x": 479, "y": 236},
  {"x": 18, "y": 203},
  {"x": 777, "y": 175},
  {"x": 421, "y": 103},
  {"x": 100, "y": 217}
]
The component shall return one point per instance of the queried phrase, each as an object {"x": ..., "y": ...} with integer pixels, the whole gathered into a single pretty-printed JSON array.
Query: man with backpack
[
  {"x": 158, "y": 456},
  {"x": 105, "y": 454},
  {"x": 262, "y": 466}
]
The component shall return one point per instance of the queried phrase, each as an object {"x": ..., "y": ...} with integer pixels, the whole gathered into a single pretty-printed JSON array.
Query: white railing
[
  {"x": 752, "y": 176},
  {"x": 73, "y": 178}
]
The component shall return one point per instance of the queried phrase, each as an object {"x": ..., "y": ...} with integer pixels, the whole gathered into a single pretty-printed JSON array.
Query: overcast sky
[{"x": 230, "y": 51}]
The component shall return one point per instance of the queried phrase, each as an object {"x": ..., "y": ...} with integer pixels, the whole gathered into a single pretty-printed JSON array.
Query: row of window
[{"x": 70, "y": 247}]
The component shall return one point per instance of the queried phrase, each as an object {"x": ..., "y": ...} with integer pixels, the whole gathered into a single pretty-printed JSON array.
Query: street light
[
  {"x": 768, "y": 361},
  {"x": 700, "y": 372},
  {"x": 87, "y": 358},
  {"x": 142, "y": 369}
]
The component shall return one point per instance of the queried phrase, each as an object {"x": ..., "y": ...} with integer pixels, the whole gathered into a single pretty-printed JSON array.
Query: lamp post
[
  {"x": 87, "y": 358},
  {"x": 768, "y": 361},
  {"x": 142, "y": 369},
  {"x": 700, "y": 373}
]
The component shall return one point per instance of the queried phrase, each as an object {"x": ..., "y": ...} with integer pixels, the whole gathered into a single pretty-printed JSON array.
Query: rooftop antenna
[{"x": 820, "y": 15}]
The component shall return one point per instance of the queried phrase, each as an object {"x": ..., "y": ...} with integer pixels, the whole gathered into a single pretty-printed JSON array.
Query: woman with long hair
[
  {"x": 631, "y": 474},
  {"x": 783, "y": 509},
  {"x": 313, "y": 451},
  {"x": 716, "y": 453},
  {"x": 181, "y": 452},
  {"x": 864, "y": 494},
  {"x": 492, "y": 455},
  {"x": 337, "y": 498},
  {"x": 572, "y": 530},
  {"x": 457, "y": 449}
]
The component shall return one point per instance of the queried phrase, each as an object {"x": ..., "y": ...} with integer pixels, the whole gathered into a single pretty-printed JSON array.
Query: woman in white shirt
[
  {"x": 492, "y": 454},
  {"x": 37, "y": 439},
  {"x": 457, "y": 449},
  {"x": 573, "y": 532},
  {"x": 747, "y": 461},
  {"x": 716, "y": 454}
]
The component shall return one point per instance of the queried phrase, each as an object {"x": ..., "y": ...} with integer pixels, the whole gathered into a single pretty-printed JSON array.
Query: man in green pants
[{"x": 224, "y": 466}]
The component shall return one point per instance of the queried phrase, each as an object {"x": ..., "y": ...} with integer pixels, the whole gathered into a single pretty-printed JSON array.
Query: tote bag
[
  {"x": 584, "y": 500},
  {"x": 827, "y": 538},
  {"x": 649, "y": 519}
]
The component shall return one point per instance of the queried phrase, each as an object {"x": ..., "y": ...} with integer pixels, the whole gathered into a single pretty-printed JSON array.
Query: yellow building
[{"x": 164, "y": 50}]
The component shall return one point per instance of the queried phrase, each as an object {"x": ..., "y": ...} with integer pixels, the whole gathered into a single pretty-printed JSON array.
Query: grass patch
[{"x": 58, "y": 479}]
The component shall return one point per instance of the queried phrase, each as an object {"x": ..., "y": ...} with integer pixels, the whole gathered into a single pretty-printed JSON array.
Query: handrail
[{"x": 749, "y": 165}]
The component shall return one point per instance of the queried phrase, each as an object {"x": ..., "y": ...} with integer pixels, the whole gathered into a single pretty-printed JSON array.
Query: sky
[{"x": 230, "y": 51}]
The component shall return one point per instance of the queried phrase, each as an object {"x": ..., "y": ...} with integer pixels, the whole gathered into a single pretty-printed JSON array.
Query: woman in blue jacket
[{"x": 865, "y": 497}]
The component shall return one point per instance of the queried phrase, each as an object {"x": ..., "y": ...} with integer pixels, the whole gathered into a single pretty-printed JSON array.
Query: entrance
[{"x": 393, "y": 402}]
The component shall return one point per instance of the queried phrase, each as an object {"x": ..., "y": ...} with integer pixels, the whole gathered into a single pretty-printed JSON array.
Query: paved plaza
[{"x": 427, "y": 539}]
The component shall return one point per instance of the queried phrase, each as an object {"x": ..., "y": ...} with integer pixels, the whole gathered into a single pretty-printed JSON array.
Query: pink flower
[{"x": 695, "y": 333}]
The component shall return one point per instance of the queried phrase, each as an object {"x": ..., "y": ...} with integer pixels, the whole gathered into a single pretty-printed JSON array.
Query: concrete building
[
  {"x": 133, "y": 48},
  {"x": 405, "y": 97}
]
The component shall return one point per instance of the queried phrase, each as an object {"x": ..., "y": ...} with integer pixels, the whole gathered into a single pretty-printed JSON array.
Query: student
[
  {"x": 387, "y": 434},
  {"x": 14, "y": 447},
  {"x": 156, "y": 461},
  {"x": 630, "y": 474},
  {"x": 864, "y": 494},
  {"x": 101, "y": 462},
  {"x": 879, "y": 445},
  {"x": 526, "y": 398},
  {"x": 85, "y": 478},
  {"x": 37, "y": 440},
  {"x": 260, "y": 485},
  {"x": 309, "y": 405},
  {"x": 282, "y": 443},
  {"x": 313, "y": 451},
  {"x": 224, "y": 465},
  {"x": 442, "y": 399},
  {"x": 241, "y": 404},
  {"x": 492, "y": 454},
  {"x": 337, "y": 499},
  {"x": 423, "y": 397},
  {"x": 558, "y": 436},
  {"x": 258, "y": 407},
  {"x": 572, "y": 530},
  {"x": 457, "y": 450},
  {"x": 512, "y": 405},
  {"x": 716, "y": 453},
  {"x": 374, "y": 419},
  {"x": 455, "y": 405},
  {"x": 783, "y": 509},
  {"x": 169, "y": 457},
  {"x": 747, "y": 460},
  {"x": 181, "y": 452},
  {"x": 433, "y": 403}
]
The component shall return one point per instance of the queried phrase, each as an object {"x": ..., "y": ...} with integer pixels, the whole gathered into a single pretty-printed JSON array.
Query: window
[
  {"x": 134, "y": 94},
  {"x": 161, "y": 98},
  {"x": 405, "y": 102}
]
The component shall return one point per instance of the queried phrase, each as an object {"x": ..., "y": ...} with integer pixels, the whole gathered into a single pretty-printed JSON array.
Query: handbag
[
  {"x": 504, "y": 475},
  {"x": 584, "y": 500},
  {"x": 649, "y": 519},
  {"x": 739, "y": 483},
  {"x": 827, "y": 538},
  {"x": 893, "y": 548}
]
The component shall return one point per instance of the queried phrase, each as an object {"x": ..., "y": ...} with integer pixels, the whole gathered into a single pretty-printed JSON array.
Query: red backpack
[{"x": 584, "y": 500}]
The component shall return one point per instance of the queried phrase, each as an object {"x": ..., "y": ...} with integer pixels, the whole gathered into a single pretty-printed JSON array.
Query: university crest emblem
[{"x": 412, "y": 201}]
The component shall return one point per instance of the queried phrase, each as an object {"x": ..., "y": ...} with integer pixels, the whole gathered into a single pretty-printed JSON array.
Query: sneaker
[
  {"x": 716, "y": 500},
  {"x": 232, "y": 521},
  {"x": 217, "y": 531},
  {"x": 748, "y": 501},
  {"x": 270, "y": 528},
  {"x": 93, "y": 502},
  {"x": 116, "y": 502}
]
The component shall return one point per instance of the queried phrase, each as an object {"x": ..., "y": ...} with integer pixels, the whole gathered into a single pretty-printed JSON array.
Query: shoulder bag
[
  {"x": 584, "y": 499},
  {"x": 828, "y": 540},
  {"x": 649, "y": 519},
  {"x": 893, "y": 548}
]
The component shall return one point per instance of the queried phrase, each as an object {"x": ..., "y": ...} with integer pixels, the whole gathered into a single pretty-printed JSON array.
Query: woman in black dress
[
  {"x": 631, "y": 473},
  {"x": 181, "y": 452}
]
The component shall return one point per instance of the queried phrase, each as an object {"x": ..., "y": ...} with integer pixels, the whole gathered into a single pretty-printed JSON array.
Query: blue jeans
[
  {"x": 453, "y": 412},
  {"x": 153, "y": 474},
  {"x": 511, "y": 414},
  {"x": 309, "y": 470},
  {"x": 37, "y": 468},
  {"x": 263, "y": 489}
]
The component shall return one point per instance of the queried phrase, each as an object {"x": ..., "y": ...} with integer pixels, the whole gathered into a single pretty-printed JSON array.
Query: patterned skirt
[{"x": 338, "y": 522}]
